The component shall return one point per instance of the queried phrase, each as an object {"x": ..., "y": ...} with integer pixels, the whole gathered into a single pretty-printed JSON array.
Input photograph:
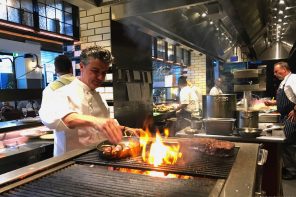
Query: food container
[
  {"x": 247, "y": 119},
  {"x": 219, "y": 126},
  {"x": 219, "y": 106},
  {"x": 269, "y": 117}
]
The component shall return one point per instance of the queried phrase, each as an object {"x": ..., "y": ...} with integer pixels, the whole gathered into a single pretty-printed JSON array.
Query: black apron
[{"x": 284, "y": 106}]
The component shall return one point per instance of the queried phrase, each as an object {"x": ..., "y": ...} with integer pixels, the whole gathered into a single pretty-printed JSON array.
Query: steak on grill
[{"x": 214, "y": 147}]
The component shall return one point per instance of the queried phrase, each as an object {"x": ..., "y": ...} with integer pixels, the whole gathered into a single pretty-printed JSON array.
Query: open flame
[{"x": 159, "y": 153}]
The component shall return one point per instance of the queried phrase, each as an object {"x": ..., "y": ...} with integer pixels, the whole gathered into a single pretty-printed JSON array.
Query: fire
[{"x": 159, "y": 153}]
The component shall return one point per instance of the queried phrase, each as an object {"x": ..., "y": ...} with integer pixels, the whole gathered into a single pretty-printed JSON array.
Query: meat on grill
[
  {"x": 130, "y": 148},
  {"x": 213, "y": 147}
]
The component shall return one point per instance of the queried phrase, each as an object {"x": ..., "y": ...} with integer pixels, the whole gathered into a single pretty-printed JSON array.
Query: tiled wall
[
  {"x": 196, "y": 73},
  {"x": 95, "y": 30}
]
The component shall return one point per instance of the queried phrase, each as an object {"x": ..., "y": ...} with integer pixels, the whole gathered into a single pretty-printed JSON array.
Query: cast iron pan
[{"x": 121, "y": 155}]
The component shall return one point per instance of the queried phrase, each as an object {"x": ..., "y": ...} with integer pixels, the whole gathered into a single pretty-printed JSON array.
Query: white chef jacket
[
  {"x": 78, "y": 98},
  {"x": 290, "y": 87},
  {"x": 216, "y": 91},
  {"x": 189, "y": 97}
]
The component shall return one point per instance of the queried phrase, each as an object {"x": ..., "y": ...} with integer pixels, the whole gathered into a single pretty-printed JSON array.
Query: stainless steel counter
[{"x": 13, "y": 125}]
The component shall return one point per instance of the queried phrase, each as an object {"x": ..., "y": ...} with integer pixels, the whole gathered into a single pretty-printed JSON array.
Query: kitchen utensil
[
  {"x": 194, "y": 124},
  {"x": 247, "y": 119},
  {"x": 219, "y": 126},
  {"x": 219, "y": 106},
  {"x": 253, "y": 132}
]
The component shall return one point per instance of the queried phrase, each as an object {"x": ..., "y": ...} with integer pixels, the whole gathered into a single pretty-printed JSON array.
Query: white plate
[{"x": 30, "y": 119}]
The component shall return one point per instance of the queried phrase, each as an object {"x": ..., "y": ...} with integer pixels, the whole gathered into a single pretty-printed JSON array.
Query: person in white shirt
[
  {"x": 216, "y": 90},
  {"x": 286, "y": 105},
  {"x": 76, "y": 111},
  {"x": 188, "y": 101}
]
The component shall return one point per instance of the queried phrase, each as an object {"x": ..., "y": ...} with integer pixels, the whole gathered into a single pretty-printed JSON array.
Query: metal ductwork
[{"x": 277, "y": 50}]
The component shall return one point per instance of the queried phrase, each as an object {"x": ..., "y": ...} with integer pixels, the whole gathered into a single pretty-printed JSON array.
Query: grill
[
  {"x": 82, "y": 180},
  {"x": 83, "y": 173},
  {"x": 202, "y": 165}
]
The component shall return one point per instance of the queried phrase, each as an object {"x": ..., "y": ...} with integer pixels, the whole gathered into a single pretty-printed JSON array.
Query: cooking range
[{"x": 84, "y": 173}]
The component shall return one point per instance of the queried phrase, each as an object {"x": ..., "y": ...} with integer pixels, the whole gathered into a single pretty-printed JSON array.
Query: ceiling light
[
  {"x": 211, "y": 22},
  {"x": 281, "y": 12},
  {"x": 282, "y": 2},
  {"x": 217, "y": 28},
  {"x": 203, "y": 15},
  {"x": 280, "y": 20}
]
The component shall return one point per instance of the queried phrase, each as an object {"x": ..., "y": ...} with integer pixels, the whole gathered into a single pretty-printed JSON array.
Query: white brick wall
[
  {"x": 95, "y": 30},
  {"x": 196, "y": 73}
]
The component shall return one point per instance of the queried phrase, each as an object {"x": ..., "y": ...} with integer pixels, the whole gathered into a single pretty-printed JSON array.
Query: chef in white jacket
[{"x": 76, "y": 111}]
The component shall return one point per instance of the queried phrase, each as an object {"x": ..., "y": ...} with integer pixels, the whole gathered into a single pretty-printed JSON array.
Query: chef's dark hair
[
  {"x": 283, "y": 65},
  {"x": 63, "y": 64},
  {"x": 96, "y": 52},
  {"x": 182, "y": 81}
]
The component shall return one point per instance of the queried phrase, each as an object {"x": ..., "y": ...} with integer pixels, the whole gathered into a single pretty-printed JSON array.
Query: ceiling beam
[{"x": 142, "y": 7}]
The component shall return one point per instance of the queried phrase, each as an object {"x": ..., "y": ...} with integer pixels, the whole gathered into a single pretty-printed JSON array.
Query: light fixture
[
  {"x": 281, "y": 12},
  {"x": 211, "y": 22},
  {"x": 203, "y": 14},
  {"x": 282, "y": 2}
]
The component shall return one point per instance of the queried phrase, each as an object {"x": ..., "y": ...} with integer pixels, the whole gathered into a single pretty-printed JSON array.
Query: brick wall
[
  {"x": 95, "y": 30},
  {"x": 196, "y": 73}
]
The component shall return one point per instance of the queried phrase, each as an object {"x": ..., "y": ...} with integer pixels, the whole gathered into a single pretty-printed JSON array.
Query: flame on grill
[
  {"x": 151, "y": 173},
  {"x": 159, "y": 153}
]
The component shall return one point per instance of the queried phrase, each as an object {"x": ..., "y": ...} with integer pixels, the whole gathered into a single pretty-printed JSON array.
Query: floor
[{"x": 289, "y": 187}]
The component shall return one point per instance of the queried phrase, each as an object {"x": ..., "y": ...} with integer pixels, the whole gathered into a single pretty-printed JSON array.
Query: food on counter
[
  {"x": 162, "y": 108},
  {"x": 130, "y": 148},
  {"x": 213, "y": 147}
]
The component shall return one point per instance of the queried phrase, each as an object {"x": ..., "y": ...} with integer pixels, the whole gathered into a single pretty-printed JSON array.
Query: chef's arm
[
  {"x": 108, "y": 126},
  {"x": 181, "y": 106}
]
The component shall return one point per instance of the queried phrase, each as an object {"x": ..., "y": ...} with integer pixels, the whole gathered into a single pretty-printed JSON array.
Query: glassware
[{"x": 25, "y": 112}]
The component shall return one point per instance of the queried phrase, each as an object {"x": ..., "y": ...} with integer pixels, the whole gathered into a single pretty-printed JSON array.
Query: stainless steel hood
[
  {"x": 277, "y": 50},
  {"x": 253, "y": 25}
]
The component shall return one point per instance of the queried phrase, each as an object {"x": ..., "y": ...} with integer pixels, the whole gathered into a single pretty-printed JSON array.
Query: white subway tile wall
[
  {"x": 95, "y": 30},
  {"x": 196, "y": 73}
]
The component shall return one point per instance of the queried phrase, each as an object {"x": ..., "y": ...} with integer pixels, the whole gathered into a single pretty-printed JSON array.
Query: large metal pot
[
  {"x": 219, "y": 106},
  {"x": 247, "y": 119}
]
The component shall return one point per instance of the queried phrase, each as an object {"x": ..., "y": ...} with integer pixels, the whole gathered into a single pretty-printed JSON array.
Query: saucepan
[{"x": 255, "y": 132}]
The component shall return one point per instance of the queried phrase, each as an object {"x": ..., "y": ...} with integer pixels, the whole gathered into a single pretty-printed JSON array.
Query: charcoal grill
[{"x": 72, "y": 175}]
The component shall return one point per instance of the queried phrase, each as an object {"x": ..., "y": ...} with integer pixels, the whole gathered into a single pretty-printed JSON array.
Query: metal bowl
[{"x": 247, "y": 132}]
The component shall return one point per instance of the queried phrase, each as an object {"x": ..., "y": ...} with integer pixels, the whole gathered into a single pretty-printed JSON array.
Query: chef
[
  {"x": 286, "y": 105},
  {"x": 76, "y": 111},
  {"x": 189, "y": 102},
  {"x": 216, "y": 90}
]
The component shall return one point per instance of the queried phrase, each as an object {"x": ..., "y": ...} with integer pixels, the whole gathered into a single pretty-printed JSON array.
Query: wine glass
[{"x": 25, "y": 112}]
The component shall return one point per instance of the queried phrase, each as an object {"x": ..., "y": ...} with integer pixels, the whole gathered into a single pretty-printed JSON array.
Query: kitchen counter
[
  {"x": 13, "y": 125},
  {"x": 19, "y": 156},
  {"x": 272, "y": 174}
]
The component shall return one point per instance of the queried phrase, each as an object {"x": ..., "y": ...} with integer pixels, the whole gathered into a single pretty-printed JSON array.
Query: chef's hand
[
  {"x": 111, "y": 129},
  {"x": 292, "y": 116},
  {"x": 270, "y": 102}
]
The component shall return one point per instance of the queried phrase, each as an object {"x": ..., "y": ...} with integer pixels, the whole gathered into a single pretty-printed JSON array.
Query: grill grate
[
  {"x": 82, "y": 180},
  {"x": 202, "y": 165}
]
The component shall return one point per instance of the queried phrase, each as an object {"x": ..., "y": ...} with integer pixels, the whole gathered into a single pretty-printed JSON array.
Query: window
[
  {"x": 6, "y": 71},
  {"x": 160, "y": 49},
  {"x": 47, "y": 61},
  {"x": 54, "y": 15},
  {"x": 171, "y": 52}
]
